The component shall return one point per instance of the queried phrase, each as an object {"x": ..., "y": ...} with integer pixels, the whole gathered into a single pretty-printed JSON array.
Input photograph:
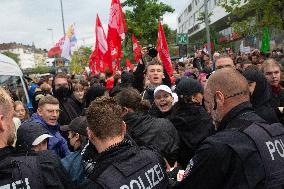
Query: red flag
[
  {"x": 136, "y": 49},
  {"x": 100, "y": 59},
  {"x": 129, "y": 65},
  {"x": 116, "y": 29},
  {"x": 163, "y": 50}
]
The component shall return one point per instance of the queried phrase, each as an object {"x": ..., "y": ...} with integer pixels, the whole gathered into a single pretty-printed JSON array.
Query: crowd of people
[{"x": 213, "y": 124}]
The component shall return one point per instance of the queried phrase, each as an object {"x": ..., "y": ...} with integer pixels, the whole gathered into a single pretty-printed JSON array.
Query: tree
[
  {"x": 251, "y": 16},
  {"x": 12, "y": 55},
  {"x": 142, "y": 19},
  {"x": 201, "y": 17},
  {"x": 80, "y": 59}
]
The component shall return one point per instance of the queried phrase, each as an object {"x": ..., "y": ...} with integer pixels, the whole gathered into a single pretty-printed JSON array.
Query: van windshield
[{"x": 14, "y": 85}]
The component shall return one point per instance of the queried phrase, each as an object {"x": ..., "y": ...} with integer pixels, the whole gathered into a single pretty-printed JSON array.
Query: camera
[{"x": 152, "y": 52}]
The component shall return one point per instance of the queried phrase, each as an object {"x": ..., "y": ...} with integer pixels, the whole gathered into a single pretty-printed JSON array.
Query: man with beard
[
  {"x": 246, "y": 152},
  {"x": 30, "y": 169}
]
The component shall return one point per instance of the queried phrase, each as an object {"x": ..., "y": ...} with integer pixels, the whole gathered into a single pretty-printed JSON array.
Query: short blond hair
[
  {"x": 6, "y": 102},
  {"x": 47, "y": 100},
  {"x": 270, "y": 62}
]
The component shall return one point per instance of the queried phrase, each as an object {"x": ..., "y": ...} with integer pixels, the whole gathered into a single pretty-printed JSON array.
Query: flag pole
[{"x": 62, "y": 16}]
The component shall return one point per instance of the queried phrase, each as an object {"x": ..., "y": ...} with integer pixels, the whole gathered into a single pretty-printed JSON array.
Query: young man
[
  {"x": 62, "y": 90},
  {"x": 119, "y": 164},
  {"x": 154, "y": 75},
  {"x": 77, "y": 135},
  {"x": 224, "y": 62},
  {"x": 47, "y": 116},
  {"x": 272, "y": 72},
  {"x": 27, "y": 170}
]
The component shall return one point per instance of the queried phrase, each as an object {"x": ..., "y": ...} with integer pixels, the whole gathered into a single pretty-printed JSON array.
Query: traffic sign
[{"x": 182, "y": 38}]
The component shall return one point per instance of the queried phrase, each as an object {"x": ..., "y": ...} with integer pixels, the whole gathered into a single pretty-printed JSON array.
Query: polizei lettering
[
  {"x": 17, "y": 184},
  {"x": 148, "y": 180},
  {"x": 275, "y": 147}
]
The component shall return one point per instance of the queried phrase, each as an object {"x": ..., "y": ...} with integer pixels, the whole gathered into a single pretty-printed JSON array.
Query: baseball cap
[
  {"x": 31, "y": 134},
  {"x": 78, "y": 125},
  {"x": 163, "y": 88}
]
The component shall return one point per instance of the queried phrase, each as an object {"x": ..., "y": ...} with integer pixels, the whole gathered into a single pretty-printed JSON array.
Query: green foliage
[
  {"x": 201, "y": 17},
  {"x": 14, "y": 56},
  {"x": 253, "y": 15},
  {"x": 142, "y": 19},
  {"x": 80, "y": 60}
]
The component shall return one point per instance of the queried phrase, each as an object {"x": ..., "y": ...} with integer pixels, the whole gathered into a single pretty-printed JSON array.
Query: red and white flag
[
  {"x": 116, "y": 30},
  {"x": 136, "y": 49},
  {"x": 100, "y": 59},
  {"x": 163, "y": 50},
  {"x": 129, "y": 65}
]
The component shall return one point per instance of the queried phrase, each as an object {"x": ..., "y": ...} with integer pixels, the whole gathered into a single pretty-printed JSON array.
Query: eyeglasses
[{"x": 58, "y": 111}]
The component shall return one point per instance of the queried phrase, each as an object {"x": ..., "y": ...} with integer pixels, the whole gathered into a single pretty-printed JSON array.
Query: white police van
[{"x": 11, "y": 78}]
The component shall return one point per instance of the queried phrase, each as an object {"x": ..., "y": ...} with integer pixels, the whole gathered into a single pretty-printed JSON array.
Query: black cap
[
  {"x": 78, "y": 125},
  {"x": 188, "y": 87},
  {"x": 30, "y": 134}
]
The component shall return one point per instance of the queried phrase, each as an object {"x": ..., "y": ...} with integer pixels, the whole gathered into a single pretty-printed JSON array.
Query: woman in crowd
[
  {"x": 164, "y": 100},
  {"x": 21, "y": 111},
  {"x": 261, "y": 95}
]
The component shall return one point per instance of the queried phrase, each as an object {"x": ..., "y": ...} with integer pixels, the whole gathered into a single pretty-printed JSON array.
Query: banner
[{"x": 163, "y": 50}]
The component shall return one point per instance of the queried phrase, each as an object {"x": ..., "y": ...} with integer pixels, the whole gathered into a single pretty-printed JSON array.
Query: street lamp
[
  {"x": 207, "y": 28},
  {"x": 50, "y": 29}
]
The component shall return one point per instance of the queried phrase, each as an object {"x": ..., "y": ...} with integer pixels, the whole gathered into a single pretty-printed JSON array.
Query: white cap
[
  {"x": 163, "y": 88},
  {"x": 40, "y": 139},
  {"x": 175, "y": 96}
]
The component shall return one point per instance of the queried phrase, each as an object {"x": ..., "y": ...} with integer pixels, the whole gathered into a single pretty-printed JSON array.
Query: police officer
[
  {"x": 30, "y": 169},
  {"x": 119, "y": 164},
  {"x": 246, "y": 152}
]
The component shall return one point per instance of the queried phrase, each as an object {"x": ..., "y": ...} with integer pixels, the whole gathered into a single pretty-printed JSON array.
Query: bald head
[
  {"x": 224, "y": 61},
  {"x": 228, "y": 81},
  {"x": 225, "y": 89}
]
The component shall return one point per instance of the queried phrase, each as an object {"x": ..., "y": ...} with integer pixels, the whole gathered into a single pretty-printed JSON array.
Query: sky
[{"x": 35, "y": 21}]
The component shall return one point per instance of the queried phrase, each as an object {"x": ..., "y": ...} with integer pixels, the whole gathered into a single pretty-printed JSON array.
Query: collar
[
  {"x": 236, "y": 111},
  {"x": 276, "y": 89},
  {"x": 6, "y": 151}
]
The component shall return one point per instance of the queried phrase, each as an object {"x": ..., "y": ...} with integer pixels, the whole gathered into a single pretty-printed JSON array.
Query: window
[
  {"x": 14, "y": 85},
  {"x": 189, "y": 8}
]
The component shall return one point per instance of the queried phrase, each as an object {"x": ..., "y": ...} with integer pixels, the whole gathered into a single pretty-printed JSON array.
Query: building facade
[
  {"x": 29, "y": 56},
  {"x": 222, "y": 34}
]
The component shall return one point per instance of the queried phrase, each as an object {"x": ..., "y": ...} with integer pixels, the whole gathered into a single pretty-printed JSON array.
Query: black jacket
[
  {"x": 47, "y": 171},
  {"x": 123, "y": 164},
  {"x": 261, "y": 96},
  {"x": 193, "y": 124},
  {"x": 157, "y": 133},
  {"x": 68, "y": 112},
  {"x": 216, "y": 165}
]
